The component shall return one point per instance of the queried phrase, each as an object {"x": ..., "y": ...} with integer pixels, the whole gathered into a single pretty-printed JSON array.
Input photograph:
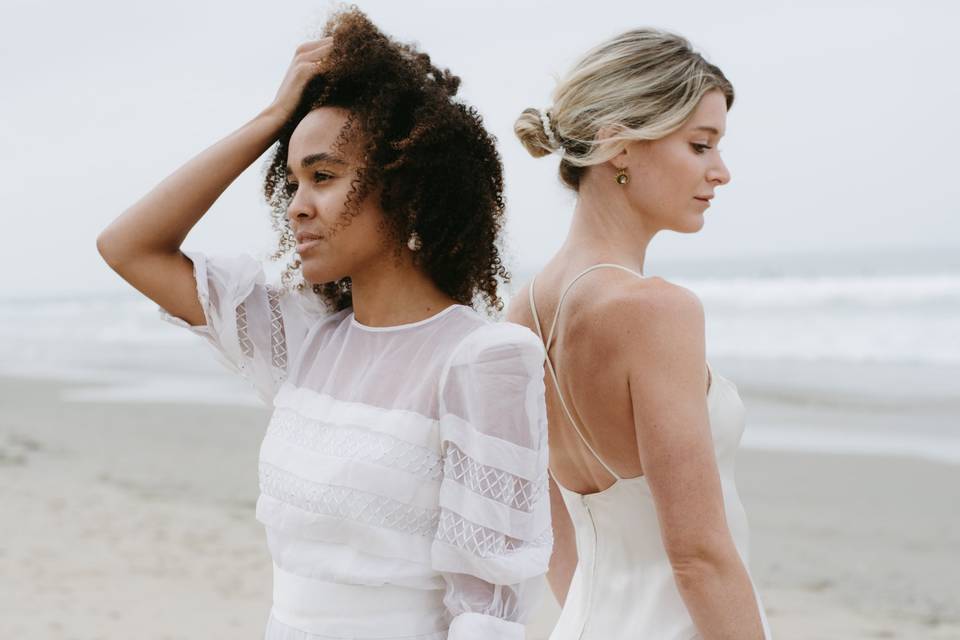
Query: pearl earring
[
  {"x": 413, "y": 242},
  {"x": 622, "y": 176}
]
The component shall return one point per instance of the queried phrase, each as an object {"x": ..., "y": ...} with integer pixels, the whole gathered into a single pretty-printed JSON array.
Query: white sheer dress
[{"x": 403, "y": 475}]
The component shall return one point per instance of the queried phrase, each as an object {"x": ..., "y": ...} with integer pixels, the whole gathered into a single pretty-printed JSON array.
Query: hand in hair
[
  {"x": 307, "y": 62},
  {"x": 143, "y": 244}
]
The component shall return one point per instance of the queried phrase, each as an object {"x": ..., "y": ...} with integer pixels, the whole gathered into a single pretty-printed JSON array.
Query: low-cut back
[{"x": 623, "y": 586}]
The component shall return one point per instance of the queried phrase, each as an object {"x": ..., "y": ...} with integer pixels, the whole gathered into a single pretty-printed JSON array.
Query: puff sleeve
[
  {"x": 256, "y": 329},
  {"x": 494, "y": 538}
]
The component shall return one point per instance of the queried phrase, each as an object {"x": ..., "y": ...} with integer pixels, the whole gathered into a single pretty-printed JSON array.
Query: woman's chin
[
  {"x": 689, "y": 224},
  {"x": 319, "y": 274}
]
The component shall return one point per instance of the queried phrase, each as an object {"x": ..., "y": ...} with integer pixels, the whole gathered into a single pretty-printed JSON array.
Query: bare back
[{"x": 588, "y": 357}]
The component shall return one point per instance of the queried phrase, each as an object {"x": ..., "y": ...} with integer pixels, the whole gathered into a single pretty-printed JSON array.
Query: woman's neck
[
  {"x": 395, "y": 291},
  {"x": 605, "y": 229}
]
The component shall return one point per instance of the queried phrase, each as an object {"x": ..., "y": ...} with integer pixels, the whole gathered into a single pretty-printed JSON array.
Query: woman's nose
[
  {"x": 718, "y": 173},
  {"x": 298, "y": 210}
]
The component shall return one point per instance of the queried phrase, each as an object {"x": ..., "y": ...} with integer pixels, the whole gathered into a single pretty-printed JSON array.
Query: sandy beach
[{"x": 132, "y": 519}]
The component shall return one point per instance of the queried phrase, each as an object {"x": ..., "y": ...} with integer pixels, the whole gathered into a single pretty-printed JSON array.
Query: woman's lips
[
  {"x": 306, "y": 240},
  {"x": 304, "y": 246}
]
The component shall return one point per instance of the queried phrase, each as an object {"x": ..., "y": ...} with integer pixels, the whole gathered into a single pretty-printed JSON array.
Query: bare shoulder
[
  {"x": 652, "y": 310},
  {"x": 612, "y": 309},
  {"x": 518, "y": 310}
]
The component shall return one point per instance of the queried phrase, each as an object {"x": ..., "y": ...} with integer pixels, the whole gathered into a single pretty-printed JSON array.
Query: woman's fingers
[
  {"x": 314, "y": 47},
  {"x": 307, "y": 62}
]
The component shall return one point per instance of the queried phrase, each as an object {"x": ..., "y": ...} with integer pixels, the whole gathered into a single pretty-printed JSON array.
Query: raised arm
[
  {"x": 664, "y": 330},
  {"x": 143, "y": 244}
]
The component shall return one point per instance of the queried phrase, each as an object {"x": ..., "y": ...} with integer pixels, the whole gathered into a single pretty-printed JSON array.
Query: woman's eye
[
  {"x": 700, "y": 148},
  {"x": 320, "y": 176},
  {"x": 290, "y": 187}
]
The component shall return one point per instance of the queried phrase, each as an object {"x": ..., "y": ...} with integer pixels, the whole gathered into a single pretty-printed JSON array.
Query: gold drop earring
[{"x": 622, "y": 176}]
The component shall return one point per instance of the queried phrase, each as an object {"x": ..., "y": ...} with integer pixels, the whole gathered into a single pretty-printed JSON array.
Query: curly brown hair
[{"x": 434, "y": 165}]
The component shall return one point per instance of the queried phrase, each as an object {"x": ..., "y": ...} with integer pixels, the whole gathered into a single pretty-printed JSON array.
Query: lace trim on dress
[
  {"x": 489, "y": 482},
  {"x": 278, "y": 337},
  {"x": 243, "y": 337},
  {"x": 481, "y": 541},
  {"x": 346, "y": 503},
  {"x": 354, "y": 443}
]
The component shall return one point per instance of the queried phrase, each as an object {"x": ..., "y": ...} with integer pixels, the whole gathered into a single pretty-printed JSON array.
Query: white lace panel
[
  {"x": 243, "y": 335},
  {"x": 346, "y": 503},
  {"x": 354, "y": 443},
  {"x": 490, "y": 482},
  {"x": 278, "y": 338},
  {"x": 459, "y": 532}
]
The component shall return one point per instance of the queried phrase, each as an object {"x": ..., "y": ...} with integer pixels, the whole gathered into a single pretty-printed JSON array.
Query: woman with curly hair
[
  {"x": 403, "y": 472},
  {"x": 651, "y": 537}
]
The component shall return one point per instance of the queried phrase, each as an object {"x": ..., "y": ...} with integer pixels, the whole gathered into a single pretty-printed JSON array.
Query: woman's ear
[
  {"x": 606, "y": 132},
  {"x": 622, "y": 157}
]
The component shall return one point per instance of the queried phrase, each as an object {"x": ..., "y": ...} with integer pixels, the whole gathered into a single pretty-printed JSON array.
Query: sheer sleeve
[
  {"x": 256, "y": 329},
  {"x": 494, "y": 536}
]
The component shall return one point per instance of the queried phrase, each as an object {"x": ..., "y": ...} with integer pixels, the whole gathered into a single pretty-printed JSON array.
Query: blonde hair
[{"x": 642, "y": 85}]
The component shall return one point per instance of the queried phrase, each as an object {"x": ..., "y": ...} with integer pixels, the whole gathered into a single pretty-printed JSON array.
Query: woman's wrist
[{"x": 273, "y": 117}]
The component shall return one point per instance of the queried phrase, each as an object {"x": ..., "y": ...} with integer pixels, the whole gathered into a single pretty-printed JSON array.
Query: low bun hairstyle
[
  {"x": 642, "y": 85},
  {"x": 529, "y": 128}
]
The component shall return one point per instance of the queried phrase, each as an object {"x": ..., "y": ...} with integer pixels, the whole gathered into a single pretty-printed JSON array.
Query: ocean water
[
  {"x": 858, "y": 333},
  {"x": 895, "y": 319}
]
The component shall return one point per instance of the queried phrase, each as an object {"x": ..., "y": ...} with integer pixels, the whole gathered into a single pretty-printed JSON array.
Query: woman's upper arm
[
  {"x": 167, "y": 279},
  {"x": 667, "y": 381}
]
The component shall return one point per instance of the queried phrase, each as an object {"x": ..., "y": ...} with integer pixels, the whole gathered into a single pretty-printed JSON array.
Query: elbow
[
  {"x": 105, "y": 246},
  {"x": 696, "y": 564},
  {"x": 117, "y": 246},
  {"x": 108, "y": 249}
]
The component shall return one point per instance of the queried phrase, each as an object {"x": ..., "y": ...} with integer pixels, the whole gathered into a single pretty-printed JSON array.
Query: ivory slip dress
[{"x": 623, "y": 586}]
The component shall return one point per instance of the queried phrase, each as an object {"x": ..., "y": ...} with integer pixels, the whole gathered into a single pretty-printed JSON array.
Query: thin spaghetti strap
[
  {"x": 533, "y": 309},
  {"x": 566, "y": 410},
  {"x": 566, "y": 290},
  {"x": 550, "y": 367}
]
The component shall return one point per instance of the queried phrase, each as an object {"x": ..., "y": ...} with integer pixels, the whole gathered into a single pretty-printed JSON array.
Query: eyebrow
[
  {"x": 315, "y": 158},
  {"x": 712, "y": 130}
]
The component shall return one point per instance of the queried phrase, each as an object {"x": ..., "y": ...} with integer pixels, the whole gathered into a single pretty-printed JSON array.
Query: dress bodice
[
  {"x": 403, "y": 475},
  {"x": 623, "y": 586}
]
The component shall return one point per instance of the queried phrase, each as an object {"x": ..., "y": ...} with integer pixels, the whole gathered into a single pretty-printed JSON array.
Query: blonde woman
[{"x": 651, "y": 537}]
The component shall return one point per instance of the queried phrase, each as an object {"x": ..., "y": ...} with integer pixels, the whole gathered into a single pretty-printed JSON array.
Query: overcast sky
[{"x": 845, "y": 133}]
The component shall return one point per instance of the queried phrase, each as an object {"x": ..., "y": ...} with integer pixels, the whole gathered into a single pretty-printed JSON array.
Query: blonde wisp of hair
[{"x": 640, "y": 85}]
